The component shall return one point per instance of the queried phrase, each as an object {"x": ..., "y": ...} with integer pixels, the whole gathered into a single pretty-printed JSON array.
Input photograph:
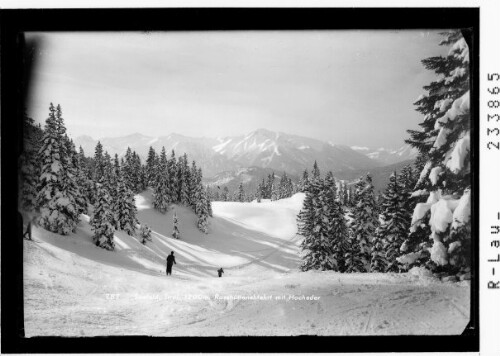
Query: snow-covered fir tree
[
  {"x": 315, "y": 173},
  {"x": 344, "y": 194},
  {"x": 209, "y": 202},
  {"x": 71, "y": 180},
  {"x": 311, "y": 227},
  {"x": 270, "y": 186},
  {"x": 84, "y": 179},
  {"x": 176, "y": 233},
  {"x": 193, "y": 187},
  {"x": 336, "y": 226},
  {"x": 183, "y": 180},
  {"x": 145, "y": 234},
  {"x": 139, "y": 174},
  {"x": 364, "y": 221},
  {"x": 261, "y": 190},
  {"x": 321, "y": 226},
  {"x": 151, "y": 167},
  {"x": 440, "y": 235},
  {"x": 161, "y": 191},
  {"x": 284, "y": 188},
  {"x": 125, "y": 209},
  {"x": 29, "y": 167},
  {"x": 98, "y": 163},
  {"x": 225, "y": 194},
  {"x": 202, "y": 210},
  {"x": 304, "y": 181},
  {"x": 351, "y": 196},
  {"x": 128, "y": 169},
  {"x": 393, "y": 229},
  {"x": 173, "y": 174},
  {"x": 102, "y": 218},
  {"x": 58, "y": 209},
  {"x": 241, "y": 193}
]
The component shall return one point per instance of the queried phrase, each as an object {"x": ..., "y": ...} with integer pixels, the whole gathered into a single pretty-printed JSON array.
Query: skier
[
  {"x": 28, "y": 231},
  {"x": 220, "y": 271},
  {"x": 170, "y": 262},
  {"x": 32, "y": 220}
]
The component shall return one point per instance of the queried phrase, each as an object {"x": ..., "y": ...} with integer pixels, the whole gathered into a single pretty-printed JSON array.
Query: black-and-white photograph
[{"x": 247, "y": 183}]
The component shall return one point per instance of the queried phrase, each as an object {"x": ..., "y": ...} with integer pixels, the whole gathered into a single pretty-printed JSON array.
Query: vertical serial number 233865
[{"x": 493, "y": 113}]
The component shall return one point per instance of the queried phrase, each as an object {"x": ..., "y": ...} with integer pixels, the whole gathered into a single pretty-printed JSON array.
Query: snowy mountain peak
[
  {"x": 137, "y": 136},
  {"x": 388, "y": 156},
  {"x": 261, "y": 148},
  {"x": 265, "y": 132}
]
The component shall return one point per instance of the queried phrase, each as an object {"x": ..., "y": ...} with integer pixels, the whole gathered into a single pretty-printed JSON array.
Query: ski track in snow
[{"x": 73, "y": 288}]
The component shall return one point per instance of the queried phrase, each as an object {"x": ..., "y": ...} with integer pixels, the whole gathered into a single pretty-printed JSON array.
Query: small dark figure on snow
[
  {"x": 28, "y": 231},
  {"x": 220, "y": 271},
  {"x": 170, "y": 262},
  {"x": 32, "y": 220}
]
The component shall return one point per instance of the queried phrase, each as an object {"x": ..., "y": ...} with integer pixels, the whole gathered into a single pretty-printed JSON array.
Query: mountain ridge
[{"x": 261, "y": 148}]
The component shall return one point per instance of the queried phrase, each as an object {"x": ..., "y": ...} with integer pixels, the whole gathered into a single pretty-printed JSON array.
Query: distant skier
[
  {"x": 170, "y": 262},
  {"x": 220, "y": 271},
  {"x": 28, "y": 231},
  {"x": 32, "y": 220}
]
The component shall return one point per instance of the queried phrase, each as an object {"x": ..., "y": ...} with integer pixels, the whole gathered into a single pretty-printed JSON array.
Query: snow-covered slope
[{"x": 73, "y": 288}]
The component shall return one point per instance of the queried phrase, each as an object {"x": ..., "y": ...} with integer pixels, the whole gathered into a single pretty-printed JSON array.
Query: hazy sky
[{"x": 348, "y": 87}]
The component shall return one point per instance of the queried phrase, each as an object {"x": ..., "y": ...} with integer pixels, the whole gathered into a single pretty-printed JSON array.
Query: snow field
[{"x": 74, "y": 288}]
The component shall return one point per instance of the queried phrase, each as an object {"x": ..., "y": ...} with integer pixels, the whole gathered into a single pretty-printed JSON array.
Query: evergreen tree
[
  {"x": 407, "y": 180},
  {"x": 216, "y": 195},
  {"x": 183, "y": 180},
  {"x": 270, "y": 186},
  {"x": 225, "y": 194},
  {"x": 139, "y": 178},
  {"x": 202, "y": 210},
  {"x": 102, "y": 219},
  {"x": 176, "y": 233},
  {"x": 145, "y": 234},
  {"x": 59, "y": 211},
  {"x": 209, "y": 202},
  {"x": 315, "y": 171},
  {"x": 261, "y": 190},
  {"x": 345, "y": 195},
  {"x": 173, "y": 174},
  {"x": 241, "y": 193},
  {"x": 312, "y": 224},
  {"x": 444, "y": 144},
  {"x": 161, "y": 197},
  {"x": 364, "y": 221},
  {"x": 193, "y": 187},
  {"x": 128, "y": 169},
  {"x": 284, "y": 189},
  {"x": 304, "y": 182},
  {"x": 84, "y": 179},
  {"x": 72, "y": 173},
  {"x": 29, "y": 167},
  {"x": 392, "y": 230},
  {"x": 336, "y": 226},
  {"x": 352, "y": 198},
  {"x": 125, "y": 209},
  {"x": 150, "y": 167},
  {"x": 109, "y": 183},
  {"x": 98, "y": 163}
]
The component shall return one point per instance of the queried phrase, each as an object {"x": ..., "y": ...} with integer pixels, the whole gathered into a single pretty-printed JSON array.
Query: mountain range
[
  {"x": 386, "y": 156},
  {"x": 262, "y": 150}
]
